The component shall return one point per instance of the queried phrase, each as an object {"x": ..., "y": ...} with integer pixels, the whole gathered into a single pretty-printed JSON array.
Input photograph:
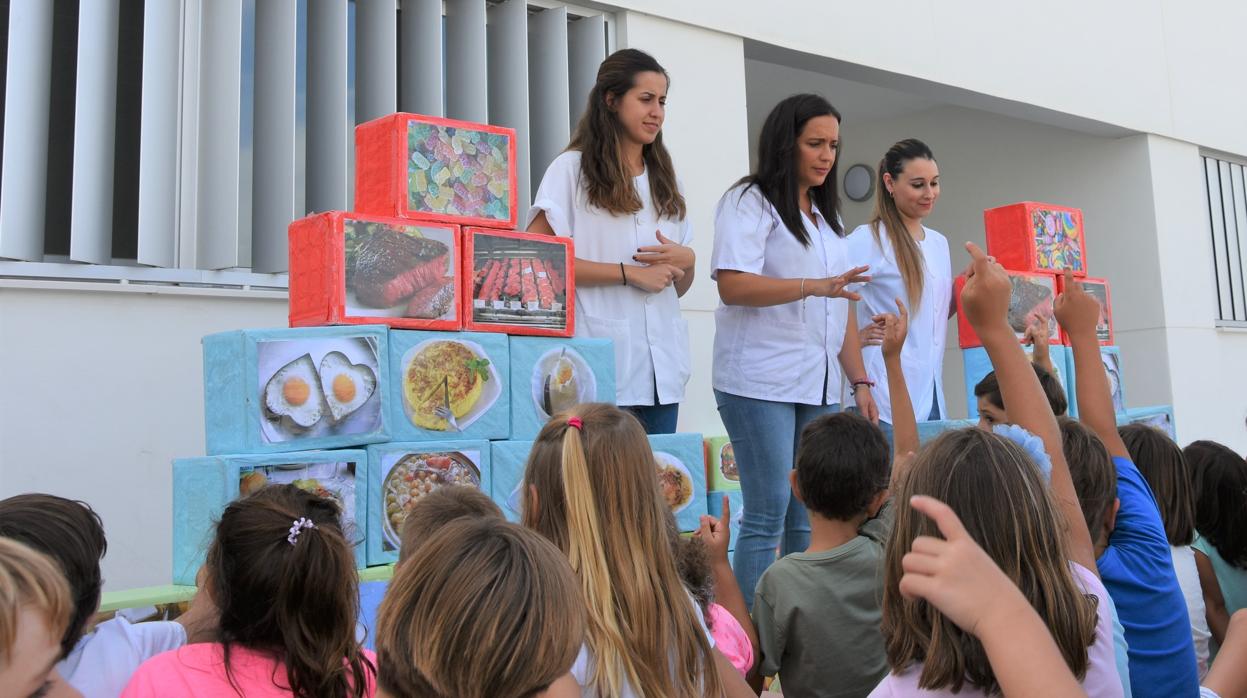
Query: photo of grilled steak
[
  {"x": 434, "y": 300},
  {"x": 391, "y": 266}
]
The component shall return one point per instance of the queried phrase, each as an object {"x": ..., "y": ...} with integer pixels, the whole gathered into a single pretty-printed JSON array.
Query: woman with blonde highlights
[
  {"x": 485, "y": 589},
  {"x": 35, "y": 610},
  {"x": 644, "y": 634}
]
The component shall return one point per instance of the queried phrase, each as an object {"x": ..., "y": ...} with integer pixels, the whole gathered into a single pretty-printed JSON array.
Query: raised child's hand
[
  {"x": 1076, "y": 310},
  {"x": 895, "y": 328},
  {"x": 954, "y": 574},
  {"x": 716, "y": 534},
  {"x": 985, "y": 298}
]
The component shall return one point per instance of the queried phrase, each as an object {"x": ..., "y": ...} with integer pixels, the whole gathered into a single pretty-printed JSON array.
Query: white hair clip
[{"x": 299, "y": 524}]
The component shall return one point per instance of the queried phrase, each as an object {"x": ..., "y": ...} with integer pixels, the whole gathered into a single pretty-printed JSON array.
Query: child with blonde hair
[{"x": 35, "y": 610}]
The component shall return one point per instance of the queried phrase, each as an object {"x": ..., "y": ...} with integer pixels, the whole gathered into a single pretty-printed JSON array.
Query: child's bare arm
[
  {"x": 716, "y": 534},
  {"x": 1038, "y": 334},
  {"x": 904, "y": 425},
  {"x": 1079, "y": 314},
  {"x": 985, "y": 301},
  {"x": 1215, "y": 612}
]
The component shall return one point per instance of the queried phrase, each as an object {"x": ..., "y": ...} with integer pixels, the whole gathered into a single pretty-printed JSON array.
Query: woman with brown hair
[
  {"x": 910, "y": 261},
  {"x": 488, "y": 590},
  {"x": 614, "y": 191},
  {"x": 282, "y": 576},
  {"x": 644, "y": 636}
]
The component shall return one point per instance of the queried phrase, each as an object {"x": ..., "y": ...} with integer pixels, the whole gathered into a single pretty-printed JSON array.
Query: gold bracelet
[{"x": 803, "y": 289}]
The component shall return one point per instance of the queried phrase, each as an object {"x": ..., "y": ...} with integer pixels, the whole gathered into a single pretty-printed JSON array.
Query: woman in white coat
[
  {"x": 614, "y": 191},
  {"x": 785, "y": 345},
  {"x": 910, "y": 262}
]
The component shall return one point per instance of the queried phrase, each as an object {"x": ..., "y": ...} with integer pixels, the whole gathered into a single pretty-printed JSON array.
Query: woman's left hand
[
  {"x": 666, "y": 252},
  {"x": 866, "y": 403}
]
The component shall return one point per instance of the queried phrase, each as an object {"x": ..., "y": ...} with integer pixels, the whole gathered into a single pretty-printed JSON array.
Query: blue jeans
[
  {"x": 764, "y": 436},
  {"x": 656, "y": 419}
]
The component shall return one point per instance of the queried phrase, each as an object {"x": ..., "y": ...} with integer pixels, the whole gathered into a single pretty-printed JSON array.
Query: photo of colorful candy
[{"x": 458, "y": 171}]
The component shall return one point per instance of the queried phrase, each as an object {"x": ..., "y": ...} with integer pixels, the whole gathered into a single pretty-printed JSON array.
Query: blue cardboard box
[
  {"x": 680, "y": 460},
  {"x": 550, "y": 375},
  {"x": 927, "y": 431},
  {"x": 1158, "y": 417},
  {"x": 202, "y": 487},
  {"x": 977, "y": 365},
  {"x": 469, "y": 370},
  {"x": 736, "y": 505},
  {"x": 268, "y": 391},
  {"x": 400, "y": 473},
  {"x": 507, "y": 461},
  {"x": 1110, "y": 357}
]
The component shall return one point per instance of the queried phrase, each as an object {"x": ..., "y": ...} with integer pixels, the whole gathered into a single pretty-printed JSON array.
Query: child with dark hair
[
  {"x": 1161, "y": 463},
  {"x": 1133, "y": 554},
  {"x": 991, "y": 405},
  {"x": 99, "y": 660},
  {"x": 817, "y": 612},
  {"x": 282, "y": 575},
  {"x": 1219, "y": 487},
  {"x": 440, "y": 507}
]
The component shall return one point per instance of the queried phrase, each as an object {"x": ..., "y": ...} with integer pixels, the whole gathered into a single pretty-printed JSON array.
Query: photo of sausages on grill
[
  {"x": 399, "y": 271},
  {"x": 519, "y": 282}
]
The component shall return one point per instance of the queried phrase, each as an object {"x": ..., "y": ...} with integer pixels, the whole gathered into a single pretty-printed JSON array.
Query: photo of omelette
[{"x": 441, "y": 372}]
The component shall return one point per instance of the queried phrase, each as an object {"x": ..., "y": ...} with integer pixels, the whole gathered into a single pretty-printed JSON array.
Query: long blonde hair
[
  {"x": 1002, "y": 498},
  {"x": 598, "y": 500},
  {"x": 888, "y": 218}
]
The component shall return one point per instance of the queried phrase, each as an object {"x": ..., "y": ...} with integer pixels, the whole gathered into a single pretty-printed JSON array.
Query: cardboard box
[
  {"x": 203, "y": 487},
  {"x": 977, "y": 365},
  {"x": 1159, "y": 417},
  {"x": 518, "y": 283},
  {"x": 268, "y": 391},
  {"x": 928, "y": 431},
  {"x": 721, "y": 472},
  {"x": 1031, "y": 299},
  {"x": 1099, "y": 289},
  {"x": 434, "y": 169},
  {"x": 1110, "y": 357},
  {"x": 508, "y": 460},
  {"x": 1037, "y": 237},
  {"x": 736, "y": 504},
  {"x": 470, "y": 371},
  {"x": 400, "y": 473},
  {"x": 550, "y": 375},
  {"x": 682, "y": 475},
  {"x": 351, "y": 268}
]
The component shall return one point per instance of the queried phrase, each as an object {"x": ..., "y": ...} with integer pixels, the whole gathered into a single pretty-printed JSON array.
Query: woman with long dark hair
[
  {"x": 785, "y": 343},
  {"x": 911, "y": 262},
  {"x": 614, "y": 192}
]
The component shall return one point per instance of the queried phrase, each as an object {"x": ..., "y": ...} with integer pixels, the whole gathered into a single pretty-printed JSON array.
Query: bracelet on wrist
[
  {"x": 623, "y": 274},
  {"x": 862, "y": 382}
]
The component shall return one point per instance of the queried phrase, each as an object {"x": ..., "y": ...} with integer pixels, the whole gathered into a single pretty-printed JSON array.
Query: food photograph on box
[
  {"x": 681, "y": 476},
  {"x": 335, "y": 481},
  {"x": 448, "y": 384},
  {"x": 551, "y": 375},
  {"x": 519, "y": 281},
  {"x": 1057, "y": 244},
  {"x": 1098, "y": 289},
  {"x": 1030, "y": 303},
  {"x": 458, "y": 171},
  {"x": 311, "y": 388},
  {"x": 400, "y": 271}
]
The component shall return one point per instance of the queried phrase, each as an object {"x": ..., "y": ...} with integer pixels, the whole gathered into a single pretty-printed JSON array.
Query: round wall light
[{"x": 859, "y": 182}]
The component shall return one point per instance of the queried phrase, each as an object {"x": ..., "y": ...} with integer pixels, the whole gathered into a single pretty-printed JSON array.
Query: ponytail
[{"x": 886, "y": 215}]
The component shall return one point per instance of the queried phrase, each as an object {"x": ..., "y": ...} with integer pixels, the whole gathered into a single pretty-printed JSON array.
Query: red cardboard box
[
  {"x": 1099, "y": 289},
  {"x": 1031, "y": 298},
  {"x": 1036, "y": 237},
  {"x": 433, "y": 169},
  {"x": 351, "y": 268},
  {"x": 518, "y": 283}
]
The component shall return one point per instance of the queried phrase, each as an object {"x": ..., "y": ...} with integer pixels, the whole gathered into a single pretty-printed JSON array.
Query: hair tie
[
  {"x": 1033, "y": 445},
  {"x": 575, "y": 423},
  {"x": 299, "y": 524}
]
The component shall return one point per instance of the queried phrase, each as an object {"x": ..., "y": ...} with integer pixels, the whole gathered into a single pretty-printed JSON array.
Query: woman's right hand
[
  {"x": 652, "y": 278},
  {"x": 834, "y": 286}
]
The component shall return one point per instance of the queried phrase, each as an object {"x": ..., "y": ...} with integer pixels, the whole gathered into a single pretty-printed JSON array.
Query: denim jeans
[
  {"x": 764, "y": 436},
  {"x": 657, "y": 419}
]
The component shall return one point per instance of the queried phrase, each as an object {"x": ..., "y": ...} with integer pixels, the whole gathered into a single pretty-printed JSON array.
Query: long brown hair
[
  {"x": 598, "y": 138},
  {"x": 1161, "y": 463},
  {"x": 1219, "y": 486},
  {"x": 1003, "y": 501},
  {"x": 30, "y": 579},
  {"x": 611, "y": 522},
  {"x": 298, "y": 601},
  {"x": 486, "y": 589},
  {"x": 888, "y": 217}
]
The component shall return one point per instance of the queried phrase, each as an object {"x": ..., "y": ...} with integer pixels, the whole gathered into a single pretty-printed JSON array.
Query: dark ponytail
[
  {"x": 293, "y": 594},
  {"x": 776, "y": 174}
]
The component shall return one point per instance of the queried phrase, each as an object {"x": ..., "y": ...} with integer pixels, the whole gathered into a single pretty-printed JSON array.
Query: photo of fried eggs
[{"x": 317, "y": 387}]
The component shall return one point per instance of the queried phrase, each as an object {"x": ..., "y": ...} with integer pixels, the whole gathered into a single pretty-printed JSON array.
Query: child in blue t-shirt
[{"x": 1132, "y": 550}]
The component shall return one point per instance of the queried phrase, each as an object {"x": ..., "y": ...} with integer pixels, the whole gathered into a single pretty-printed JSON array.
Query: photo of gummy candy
[
  {"x": 1056, "y": 240},
  {"x": 458, "y": 171}
]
